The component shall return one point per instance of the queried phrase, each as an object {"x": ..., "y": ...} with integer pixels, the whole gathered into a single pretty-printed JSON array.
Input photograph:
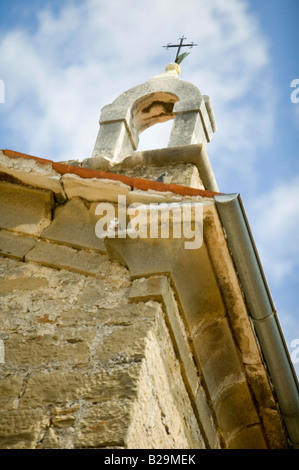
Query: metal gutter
[{"x": 261, "y": 309}]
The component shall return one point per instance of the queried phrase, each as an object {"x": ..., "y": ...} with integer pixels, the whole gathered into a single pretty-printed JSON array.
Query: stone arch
[
  {"x": 159, "y": 99},
  {"x": 151, "y": 109}
]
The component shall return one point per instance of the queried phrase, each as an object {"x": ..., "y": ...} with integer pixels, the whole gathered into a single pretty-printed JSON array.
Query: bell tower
[{"x": 160, "y": 99}]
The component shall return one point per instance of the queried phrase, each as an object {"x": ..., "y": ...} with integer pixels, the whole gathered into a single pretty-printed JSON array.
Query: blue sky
[{"x": 61, "y": 62}]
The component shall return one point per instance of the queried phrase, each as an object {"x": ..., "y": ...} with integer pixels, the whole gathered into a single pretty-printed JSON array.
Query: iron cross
[{"x": 179, "y": 46}]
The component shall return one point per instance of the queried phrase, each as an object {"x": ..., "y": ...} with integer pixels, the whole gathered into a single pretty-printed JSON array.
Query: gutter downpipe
[{"x": 261, "y": 310}]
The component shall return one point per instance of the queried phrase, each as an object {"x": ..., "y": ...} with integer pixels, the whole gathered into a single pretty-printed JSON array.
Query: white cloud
[
  {"x": 275, "y": 217},
  {"x": 84, "y": 55}
]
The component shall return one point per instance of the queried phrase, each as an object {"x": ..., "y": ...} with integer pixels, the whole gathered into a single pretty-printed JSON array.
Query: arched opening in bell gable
[{"x": 151, "y": 118}]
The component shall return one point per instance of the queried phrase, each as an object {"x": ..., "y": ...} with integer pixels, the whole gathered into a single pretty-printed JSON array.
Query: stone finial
[
  {"x": 173, "y": 66},
  {"x": 172, "y": 70}
]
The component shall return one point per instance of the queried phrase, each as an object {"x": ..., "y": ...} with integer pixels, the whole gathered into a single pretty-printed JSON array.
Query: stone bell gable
[{"x": 162, "y": 98}]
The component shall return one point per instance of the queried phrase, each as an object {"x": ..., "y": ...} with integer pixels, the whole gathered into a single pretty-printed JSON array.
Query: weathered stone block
[
  {"x": 145, "y": 289},
  {"x": 31, "y": 351},
  {"x": 24, "y": 209},
  {"x": 235, "y": 410},
  {"x": 22, "y": 429},
  {"x": 60, "y": 256},
  {"x": 271, "y": 420},
  {"x": 94, "y": 189},
  {"x": 206, "y": 419},
  {"x": 260, "y": 386},
  {"x": 51, "y": 388},
  {"x": 74, "y": 224},
  {"x": 31, "y": 172},
  {"x": 10, "y": 388},
  {"x": 187, "y": 130},
  {"x": 64, "y": 387},
  {"x": 103, "y": 425},
  {"x": 185, "y": 174},
  {"x": 15, "y": 245},
  {"x": 22, "y": 283},
  {"x": 230, "y": 287},
  {"x": 122, "y": 344},
  {"x": 248, "y": 438},
  {"x": 83, "y": 334},
  {"x": 218, "y": 356}
]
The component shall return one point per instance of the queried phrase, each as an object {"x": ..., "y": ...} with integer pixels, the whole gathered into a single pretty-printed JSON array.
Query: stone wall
[
  {"x": 83, "y": 367},
  {"x": 158, "y": 354}
]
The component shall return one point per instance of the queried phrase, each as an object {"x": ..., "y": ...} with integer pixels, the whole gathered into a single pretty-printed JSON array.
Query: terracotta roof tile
[{"x": 136, "y": 183}]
